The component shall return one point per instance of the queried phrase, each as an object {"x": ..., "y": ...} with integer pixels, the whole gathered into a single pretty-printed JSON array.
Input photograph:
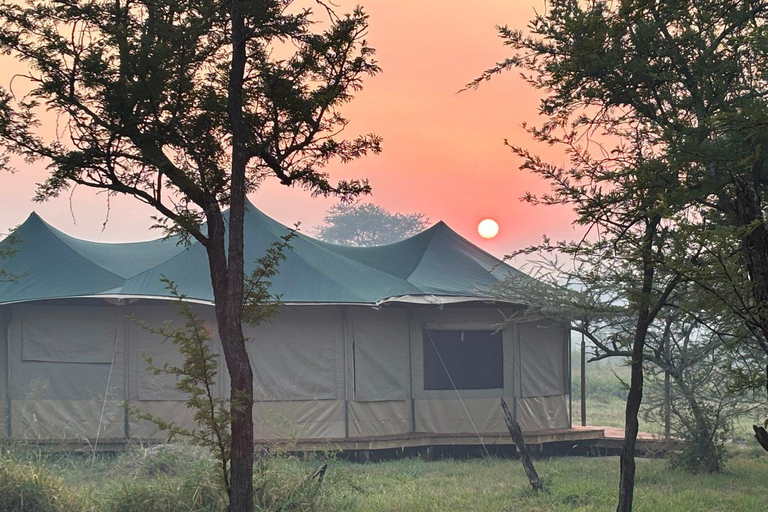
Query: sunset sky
[{"x": 443, "y": 151}]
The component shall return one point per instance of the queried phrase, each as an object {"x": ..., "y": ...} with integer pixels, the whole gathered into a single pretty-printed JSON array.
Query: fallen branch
[
  {"x": 517, "y": 437},
  {"x": 761, "y": 435},
  {"x": 319, "y": 475}
]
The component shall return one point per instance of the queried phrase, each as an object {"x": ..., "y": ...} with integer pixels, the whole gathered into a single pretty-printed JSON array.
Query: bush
[
  {"x": 171, "y": 459},
  {"x": 284, "y": 483},
  {"x": 174, "y": 477},
  {"x": 700, "y": 453},
  {"x": 29, "y": 487},
  {"x": 179, "y": 477},
  {"x": 164, "y": 495}
]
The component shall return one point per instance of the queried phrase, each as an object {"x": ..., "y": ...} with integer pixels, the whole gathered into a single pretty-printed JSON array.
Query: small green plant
[{"x": 196, "y": 376}]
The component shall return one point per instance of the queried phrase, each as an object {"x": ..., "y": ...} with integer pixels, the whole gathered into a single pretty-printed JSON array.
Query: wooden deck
[
  {"x": 597, "y": 438},
  {"x": 576, "y": 440}
]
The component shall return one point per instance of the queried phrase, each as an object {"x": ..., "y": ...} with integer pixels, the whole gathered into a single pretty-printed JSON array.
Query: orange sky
[{"x": 443, "y": 152}]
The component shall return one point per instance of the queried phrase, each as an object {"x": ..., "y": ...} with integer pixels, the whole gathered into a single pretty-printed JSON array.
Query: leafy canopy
[
  {"x": 145, "y": 99},
  {"x": 367, "y": 225}
]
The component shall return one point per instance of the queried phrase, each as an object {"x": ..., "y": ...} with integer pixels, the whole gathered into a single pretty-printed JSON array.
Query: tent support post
[
  {"x": 583, "y": 381},
  {"x": 569, "y": 373},
  {"x": 410, "y": 371},
  {"x": 346, "y": 371},
  {"x": 126, "y": 380},
  {"x": 8, "y": 411}
]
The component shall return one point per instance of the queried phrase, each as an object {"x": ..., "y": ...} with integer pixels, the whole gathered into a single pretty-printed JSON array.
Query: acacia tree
[
  {"x": 367, "y": 224},
  {"x": 635, "y": 249},
  {"x": 693, "y": 75},
  {"x": 696, "y": 72},
  {"x": 690, "y": 392},
  {"x": 188, "y": 105}
]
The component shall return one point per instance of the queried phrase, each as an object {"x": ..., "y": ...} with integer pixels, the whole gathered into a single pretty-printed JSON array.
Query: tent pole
[
  {"x": 8, "y": 418},
  {"x": 583, "y": 381},
  {"x": 569, "y": 373},
  {"x": 410, "y": 370},
  {"x": 126, "y": 379},
  {"x": 346, "y": 371}
]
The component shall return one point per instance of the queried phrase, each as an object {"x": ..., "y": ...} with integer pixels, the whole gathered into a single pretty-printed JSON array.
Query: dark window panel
[{"x": 473, "y": 360}]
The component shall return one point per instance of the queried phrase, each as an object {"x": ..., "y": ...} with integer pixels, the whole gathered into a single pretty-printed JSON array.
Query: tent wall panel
[
  {"x": 296, "y": 356},
  {"x": 65, "y": 380},
  {"x": 448, "y": 416},
  {"x": 299, "y": 419},
  {"x": 4, "y": 403},
  {"x": 542, "y": 359},
  {"x": 144, "y": 384},
  {"x": 175, "y": 411},
  {"x": 272, "y": 420},
  {"x": 380, "y": 338},
  {"x": 67, "y": 419},
  {"x": 540, "y": 413},
  {"x": 57, "y": 398},
  {"x": 56, "y": 334},
  {"x": 379, "y": 418}
]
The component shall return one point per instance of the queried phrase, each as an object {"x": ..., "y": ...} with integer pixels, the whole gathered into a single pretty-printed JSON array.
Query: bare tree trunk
[
  {"x": 666, "y": 342},
  {"x": 635, "y": 396},
  {"x": 583, "y": 382},
  {"x": 517, "y": 436},
  {"x": 632, "y": 426},
  {"x": 229, "y": 303},
  {"x": 749, "y": 213}
]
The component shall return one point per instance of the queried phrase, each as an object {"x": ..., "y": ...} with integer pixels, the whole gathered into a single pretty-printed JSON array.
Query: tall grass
[
  {"x": 181, "y": 479},
  {"x": 28, "y": 486}
]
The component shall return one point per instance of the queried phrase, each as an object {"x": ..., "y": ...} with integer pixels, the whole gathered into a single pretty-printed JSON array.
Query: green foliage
[
  {"x": 367, "y": 225},
  {"x": 259, "y": 303},
  {"x": 164, "y": 460},
  {"x": 30, "y": 487},
  {"x": 700, "y": 453},
  {"x": 196, "y": 378},
  {"x": 144, "y": 89},
  {"x": 651, "y": 65},
  {"x": 8, "y": 248}
]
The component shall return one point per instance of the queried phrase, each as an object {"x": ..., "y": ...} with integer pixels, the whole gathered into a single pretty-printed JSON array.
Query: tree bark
[
  {"x": 583, "y": 381},
  {"x": 635, "y": 396},
  {"x": 517, "y": 436},
  {"x": 749, "y": 212},
  {"x": 229, "y": 302},
  {"x": 755, "y": 243},
  {"x": 228, "y": 306}
]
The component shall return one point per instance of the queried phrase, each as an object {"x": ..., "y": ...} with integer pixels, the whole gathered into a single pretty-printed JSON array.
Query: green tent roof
[{"x": 437, "y": 262}]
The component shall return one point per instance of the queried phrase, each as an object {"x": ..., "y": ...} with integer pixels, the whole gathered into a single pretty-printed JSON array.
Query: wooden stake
[{"x": 517, "y": 437}]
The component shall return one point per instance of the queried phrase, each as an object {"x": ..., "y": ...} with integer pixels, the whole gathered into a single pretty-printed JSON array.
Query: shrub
[
  {"x": 29, "y": 487},
  {"x": 164, "y": 495},
  {"x": 174, "y": 477},
  {"x": 700, "y": 453},
  {"x": 284, "y": 483},
  {"x": 171, "y": 459}
]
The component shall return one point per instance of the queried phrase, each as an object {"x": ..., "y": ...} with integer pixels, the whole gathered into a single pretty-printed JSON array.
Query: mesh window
[{"x": 472, "y": 359}]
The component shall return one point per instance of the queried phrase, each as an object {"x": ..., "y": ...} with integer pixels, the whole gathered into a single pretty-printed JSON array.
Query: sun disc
[{"x": 488, "y": 228}]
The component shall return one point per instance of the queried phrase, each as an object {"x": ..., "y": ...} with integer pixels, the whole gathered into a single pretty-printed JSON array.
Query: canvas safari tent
[{"x": 386, "y": 341}]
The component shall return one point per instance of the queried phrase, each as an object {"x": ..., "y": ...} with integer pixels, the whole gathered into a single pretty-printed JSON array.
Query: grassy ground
[{"x": 184, "y": 481}]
